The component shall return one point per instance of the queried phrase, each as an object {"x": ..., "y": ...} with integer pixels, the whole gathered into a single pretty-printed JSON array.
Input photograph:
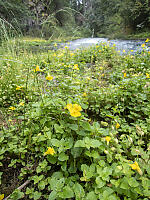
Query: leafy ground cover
[{"x": 75, "y": 125}]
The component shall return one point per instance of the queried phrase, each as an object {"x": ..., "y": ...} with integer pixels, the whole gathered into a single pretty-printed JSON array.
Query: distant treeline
[{"x": 98, "y": 16}]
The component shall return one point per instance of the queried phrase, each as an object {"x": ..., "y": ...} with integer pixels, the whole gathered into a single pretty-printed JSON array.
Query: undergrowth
[{"x": 75, "y": 125}]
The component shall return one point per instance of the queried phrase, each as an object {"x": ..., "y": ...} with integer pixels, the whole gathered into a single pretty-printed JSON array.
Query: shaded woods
[{"x": 48, "y": 17}]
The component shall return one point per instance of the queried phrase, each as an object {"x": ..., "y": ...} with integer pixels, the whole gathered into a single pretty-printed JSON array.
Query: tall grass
[{"x": 8, "y": 34}]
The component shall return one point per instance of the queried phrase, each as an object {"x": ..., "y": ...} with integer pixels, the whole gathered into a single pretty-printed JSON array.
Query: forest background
[{"x": 47, "y": 18}]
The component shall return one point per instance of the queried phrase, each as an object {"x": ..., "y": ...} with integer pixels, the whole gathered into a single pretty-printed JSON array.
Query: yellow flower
[
  {"x": 125, "y": 75},
  {"x": 69, "y": 106},
  {"x": 66, "y": 47},
  {"x": 84, "y": 94},
  {"x": 18, "y": 87},
  {"x": 88, "y": 78},
  {"x": 76, "y": 67},
  {"x": 124, "y": 51},
  {"x": 49, "y": 78},
  {"x": 71, "y": 54},
  {"x": 143, "y": 45},
  {"x": 54, "y": 54},
  {"x": 12, "y": 108},
  {"x": 55, "y": 45},
  {"x": 21, "y": 103},
  {"x": 107, "y": 138},
  {"x": 1, "y": 196},
  {"x": 37, "y": 69},
  {"x": 135, "y": 166},
  {"x": 74, "y": 109},
  {"x": 50, "y": 151},
  {"x": 147, "y": 40},
  {"x": 117, "y": 125},
  {"x": 77, "y": 107},
  {"x": 147, "y": 75},
  {"x": 75, "y": 113}
]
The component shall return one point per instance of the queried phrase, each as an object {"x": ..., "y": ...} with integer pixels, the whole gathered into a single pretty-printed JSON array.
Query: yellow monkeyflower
[
  {"x": 1, "y": 196},
  {"x": 107, "y": 138},
  {"x": 88, "y": 78},
  {"x": 55, "y": 45},
  {"x": 125, "y": 75},
  {"x": 124, "y": 51},
  {"x": 143, "y": 45},
  {"x": 37, "y": 69},
  {"x": 71, "y": 54},
  {"x": 12, "y": 108},
  {"x": 147, "y": 75},
  {"x": 50, "y": 151},
  {"x": 49, "y": 77},
  {"x": 21, "y": 103},
  {"x": 117, "y": 125},
  {"x": 68, "y": 106},
  {"x": 74, "y": 109},
  {"x": 76, "y": 67},
  {"x": 77, "y": 107},
  {"x": 18, "y": 87},
  {"x": 136, "y": 167},
  {"x": 84, "y": 94},
  {"x": 75, "y": 113},
  {"x": 147, "y": 40}
]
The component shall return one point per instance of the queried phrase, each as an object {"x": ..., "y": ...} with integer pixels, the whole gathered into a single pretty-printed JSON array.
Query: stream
[{"x": 120, "y": 45}]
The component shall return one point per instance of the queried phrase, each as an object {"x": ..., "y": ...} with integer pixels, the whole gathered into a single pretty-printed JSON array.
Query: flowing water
[{"x": 127, "y": 45}]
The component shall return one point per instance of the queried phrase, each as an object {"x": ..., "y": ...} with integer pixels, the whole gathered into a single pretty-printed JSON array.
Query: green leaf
[
  {"x": 41, "y": 185},
  {"x": 17, "y": 194},
  {"x": 37, "y": 195},
  {"x": 79, "y": 143},
  {"x": 100, "y": 183},
  {"x": 132, "y": 182},
  {"x": 53, "y": 195},
  {"x": 124, "y": 184},
  {"x": 91, "y": 196},
  {"x": 76, "y": 152},
  {"x": 52, "y": 159},
  {"x": 146, "y": 193},
  {"x": 79, "y": 191},
  {"x": 66, "y": 193},
  {"x": 56, "y": 184},
  {"x": 62, "y": 157},
  {"x": 74, "y": 127},
  {"x": 86, "y": 126},
  {"x": 58, "y": 128},
  {"x": 55, "y": 142},
  {"x": 95, "y": 143}
]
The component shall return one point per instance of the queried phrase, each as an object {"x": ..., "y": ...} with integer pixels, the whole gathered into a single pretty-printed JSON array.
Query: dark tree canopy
[{"x": 100, "y": 16}]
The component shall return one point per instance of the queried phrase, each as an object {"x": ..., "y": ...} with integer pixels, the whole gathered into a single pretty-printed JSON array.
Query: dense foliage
[
  {"x": 75, "y": 125},
  {"x": 36, "y": 17}
]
